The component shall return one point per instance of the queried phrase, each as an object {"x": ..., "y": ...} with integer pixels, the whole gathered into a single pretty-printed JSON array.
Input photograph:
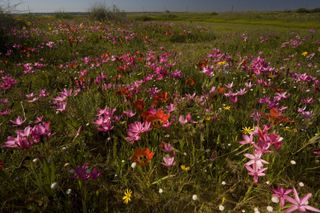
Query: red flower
[
  {"x": 156, "y": 117},
  {"x": 139, "y": 104},
  {"x": 142, "y": 156}
]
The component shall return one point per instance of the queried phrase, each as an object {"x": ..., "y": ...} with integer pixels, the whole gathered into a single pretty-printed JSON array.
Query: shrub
[{"x": 102, "y": 13}]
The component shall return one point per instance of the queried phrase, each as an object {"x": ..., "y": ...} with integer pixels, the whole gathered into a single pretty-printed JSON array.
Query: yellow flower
[
  {"x": 127, "y": 196},
  {"x": 305, "y": 53},
  {"x": 222, "y": 62},
  {"x": 247, "y": 130},
  {"x": 227, "y": 107},
  {"x": 185, "y": 168}
]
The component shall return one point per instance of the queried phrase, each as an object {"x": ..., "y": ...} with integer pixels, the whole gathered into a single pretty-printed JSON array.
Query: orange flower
[
  {"x": 142, "y": 156},
  {"x": 190, "y": 82},
  {"x": 161, "y": 97},
  {"x": 139, "y": 104},
  {"x": 221, "y": 90},
  {"x": 157, "y": 118},
  {"x": 275, "y": 116}
]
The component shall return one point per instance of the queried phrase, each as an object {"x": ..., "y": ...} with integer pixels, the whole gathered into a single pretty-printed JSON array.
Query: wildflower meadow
[{"x": 163, "y": 112}]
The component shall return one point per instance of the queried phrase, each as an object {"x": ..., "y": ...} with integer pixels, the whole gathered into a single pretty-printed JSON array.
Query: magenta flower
[
  {"x": 166, "y": 147},
  {"x": 255, "y": 159},
  {"x": 187, "y": 119},
  {"x": 18, "y": 121},
  {"x": 105, "y": 119},
  {"x": 280, "y": 193},
  {"x": 168, "y": 161},
  {"x": 136, "y": 129},
  {"x": 247, "y": 139},
  {"x": 299, "y": 204},
  {"x": 256, "y": 172},
  {"x": 84, "y": 172}
]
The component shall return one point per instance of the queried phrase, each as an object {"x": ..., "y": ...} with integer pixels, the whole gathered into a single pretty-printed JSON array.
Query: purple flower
[
  {"x": 85, "y": 173},
  {"x": 136, "y": 129}
]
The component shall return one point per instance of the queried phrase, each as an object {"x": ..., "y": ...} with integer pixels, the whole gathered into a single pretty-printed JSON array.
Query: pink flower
[
  {"x": 105, "y": 119},
  {"x": 281, "y": 193},
  {"x": 168, "y": 161},
  {"x": 255, "y": 159},
  {"x": 256, "y": 172},
  {"x": 18, "y": 121},
  {"x": 300, "y": 204},
  {"x": 136, "y": 129},
  {"x": 188, "y": 119},
  {"x": 247, "y": 139}
]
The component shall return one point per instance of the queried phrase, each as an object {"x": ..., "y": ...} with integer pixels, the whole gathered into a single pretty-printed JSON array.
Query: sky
[{"x": 162, "y": 5}]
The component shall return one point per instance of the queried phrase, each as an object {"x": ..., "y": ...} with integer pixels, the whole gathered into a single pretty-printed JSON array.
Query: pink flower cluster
[
  {"x": 261, "y": 141},
  {"x": 60, "y": 102},
  {"x": 295, "y": 203},
  {"x": 7, "y": 82},
  {"x": 105, "y": 119},
  {"x": 28, "y": 136},
  {"x": 136, "y": 129}
]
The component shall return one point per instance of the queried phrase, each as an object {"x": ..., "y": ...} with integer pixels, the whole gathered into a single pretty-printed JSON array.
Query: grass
[{"x": 149, "y": 62}]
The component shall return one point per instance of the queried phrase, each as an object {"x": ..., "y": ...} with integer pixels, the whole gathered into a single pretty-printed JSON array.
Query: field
[{"x": 161, "y": 112}]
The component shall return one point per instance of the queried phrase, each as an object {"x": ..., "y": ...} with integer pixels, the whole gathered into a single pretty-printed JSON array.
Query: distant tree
[{"x": 302, "y": 10}]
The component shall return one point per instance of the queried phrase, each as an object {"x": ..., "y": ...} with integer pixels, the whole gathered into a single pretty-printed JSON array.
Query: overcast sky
[{"x": 162, "y": 5}]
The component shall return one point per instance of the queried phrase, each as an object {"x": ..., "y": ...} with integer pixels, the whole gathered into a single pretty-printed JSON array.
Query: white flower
[
  {"x": 223, "y": 183},
  {"x": 194, "y": 197},
  {"x": 68, "y": 191},
  {"x": 275, "y": 199},
  {"x": 221, "y": 207},
  {"x": 35, "y": 160},
  {"x": 269, "y": 209},
  {"x": 54, "y": 185},
  {"x": 293, "y": 162},
  {"x": 301, "y": 184},
  {"x": 160, "y": 191},
  {"x": 256, "y": 210},
  {"x": 133, "y": 165}
]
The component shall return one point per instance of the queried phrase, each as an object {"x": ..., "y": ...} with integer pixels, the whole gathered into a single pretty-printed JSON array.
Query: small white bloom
[
  {"x": 256, "y": 210},
  {"x": 122, "y": 161},
  {"x": 221, "y": 207},
  {"x": 54, "y": 185},
  {"x": 64, "y": 148},
  {"x": 301, "y": 184},
  {"x": 293, "y": 162},
  {"x": 68, "y": 191},
  {"x": 275, "y": 199},
  {"x": 223, "y": 183},
  {"x": 133, "y": 165},
  {"x": 160, "y": 191},
  {"x": 268, "y": 182},
  {"x": 269, "y": 209},
  {"x": 66, "y": 164},
  {"x": 194, "y": 197},
  {"x": 243, "y": 210},
  {"x": 35, "y": 160}
]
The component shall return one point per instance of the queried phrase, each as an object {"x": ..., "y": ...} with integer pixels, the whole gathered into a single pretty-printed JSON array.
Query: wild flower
[
  {"x": 281, "y": 194},
  {"x": 142, "y": 156},
  {"x": 105, "y": 119},
  {"x": 136, "y": 129},
  {"x": 127, "y": 196},
  {"x": 168, "y": 161},
  {"x": 299, "y": 204},
  {"x": 84, "y": 172}
]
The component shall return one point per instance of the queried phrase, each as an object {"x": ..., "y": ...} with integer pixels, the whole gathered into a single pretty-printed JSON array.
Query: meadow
[{"x": 160, "y": 112}]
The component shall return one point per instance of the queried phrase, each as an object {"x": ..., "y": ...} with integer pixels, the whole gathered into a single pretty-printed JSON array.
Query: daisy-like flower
[
  {"x": 127, "y": 196},
  {"x": 247, "y": 130}
]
